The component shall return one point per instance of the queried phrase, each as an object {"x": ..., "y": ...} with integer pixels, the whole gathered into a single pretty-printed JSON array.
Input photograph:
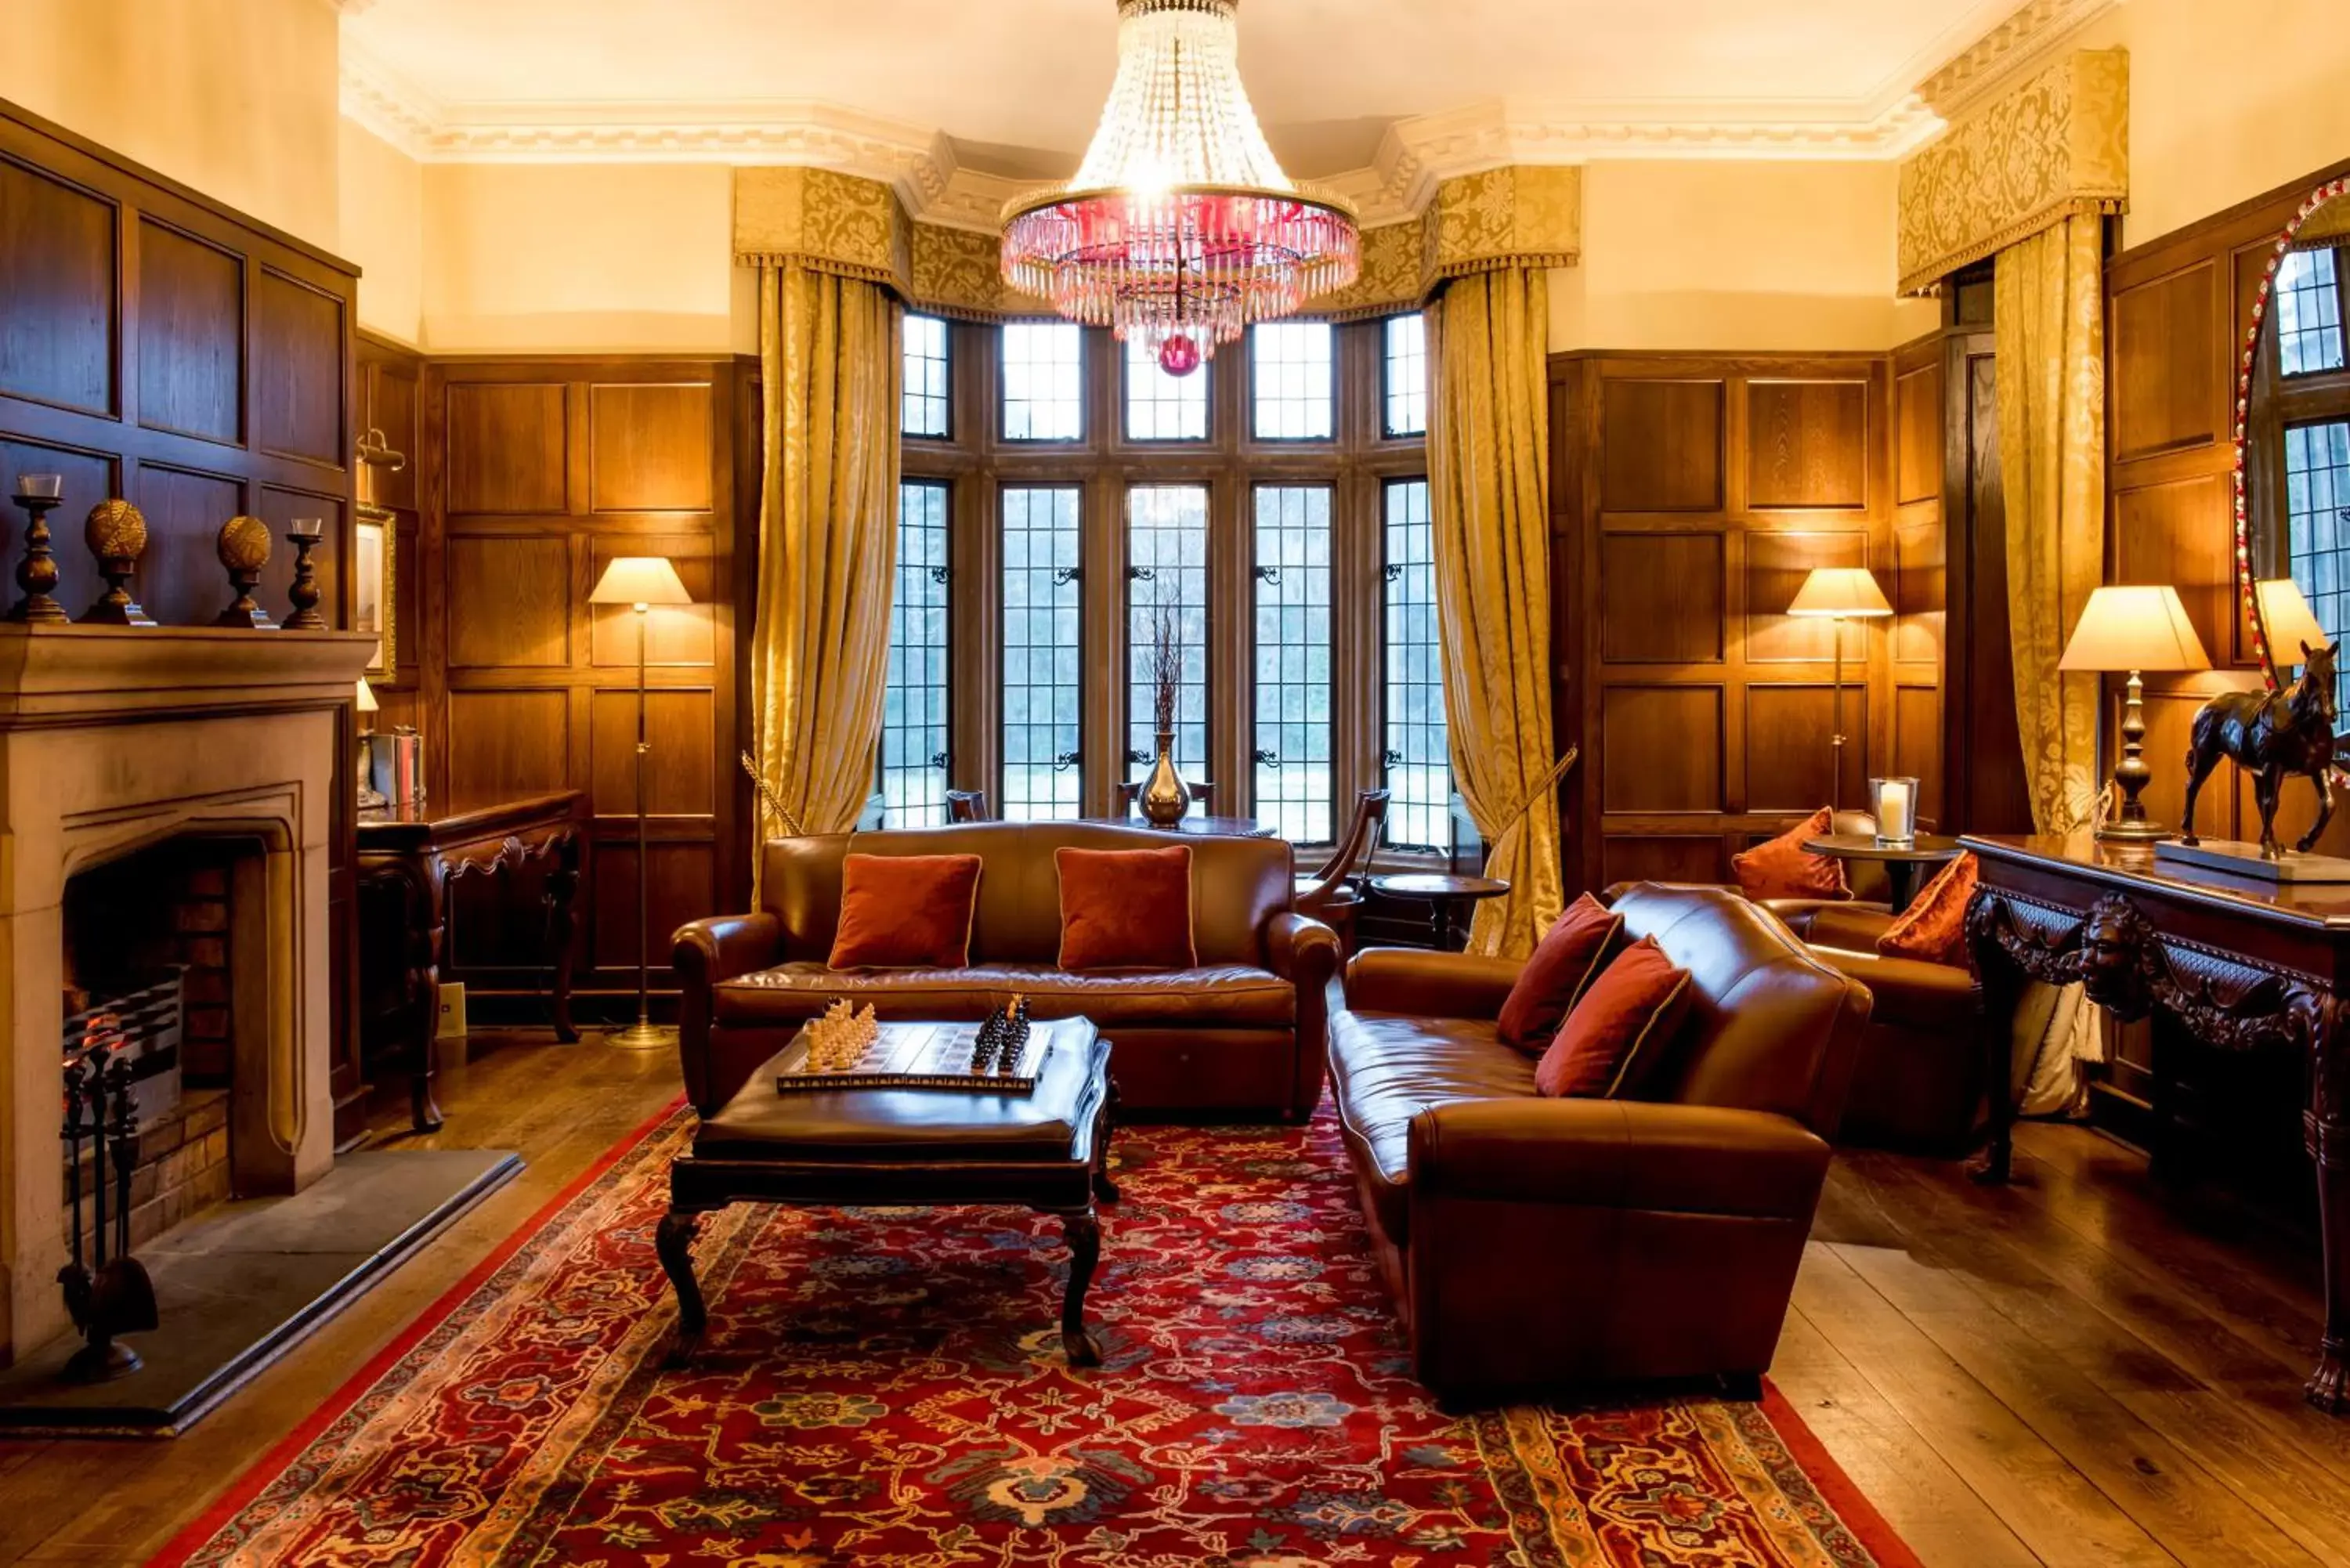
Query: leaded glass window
[
  {"x": 1295, "y": 785},
  {"x": 1167, "y": 567},
  {"x": 1160, "y": 407},
  {"x": 1043, "y": 776},
  {"x": 1418, "y": 764},
  {"x": 2317, "y": 507},
  {"x": 1295, "y": 381},
  {"x": 926, "y": 403},
  {"x": 915, "y": 700},
  {"x": 1405, "y": 375},
  {"x": 2309, "y": 313},
  {"x": 1043, "y": 380}
]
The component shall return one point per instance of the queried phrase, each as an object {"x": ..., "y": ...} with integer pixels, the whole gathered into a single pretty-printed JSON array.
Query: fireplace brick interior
[{"x": 168, "y": 905}]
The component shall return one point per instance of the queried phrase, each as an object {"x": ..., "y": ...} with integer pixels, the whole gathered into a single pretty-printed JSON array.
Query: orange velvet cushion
[
  {"x": 1780, "y": 868},
  {"x": 1934, "y": 927},
  {"x": 1567, "y": 960},
  {"x": 1126, "y": 908},
  {"x": 910, "y": 911},
  {"x": 1626, "y": 1018}
]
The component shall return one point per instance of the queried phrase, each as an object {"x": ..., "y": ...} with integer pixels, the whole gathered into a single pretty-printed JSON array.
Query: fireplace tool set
[{"x": 115, "y": 1296}]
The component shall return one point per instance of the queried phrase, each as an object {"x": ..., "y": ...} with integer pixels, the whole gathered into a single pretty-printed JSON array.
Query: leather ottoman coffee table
[{"x": 1048, "y": 1149}]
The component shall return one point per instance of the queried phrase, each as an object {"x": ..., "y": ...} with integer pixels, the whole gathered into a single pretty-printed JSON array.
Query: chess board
[{"x": 919, "y": 1056}]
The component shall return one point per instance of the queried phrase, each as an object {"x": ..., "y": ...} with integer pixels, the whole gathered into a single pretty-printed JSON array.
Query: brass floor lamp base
[{"x": 643, "y": 1037}]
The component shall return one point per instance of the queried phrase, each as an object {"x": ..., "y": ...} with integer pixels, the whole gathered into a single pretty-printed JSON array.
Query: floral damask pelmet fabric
[
  {"x": 1489, "y": 489},
  {"x": 827, "y": 541},
  {"x": 2050, "y": 339}
]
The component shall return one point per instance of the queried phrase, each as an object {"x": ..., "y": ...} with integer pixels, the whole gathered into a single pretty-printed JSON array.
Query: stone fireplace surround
[{"x": 114, "y": 739}]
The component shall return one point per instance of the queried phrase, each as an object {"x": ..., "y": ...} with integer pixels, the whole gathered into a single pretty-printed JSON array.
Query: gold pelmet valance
[
  {"x": 2055, "y": 145},
  {"x": 858, "y": 228}
]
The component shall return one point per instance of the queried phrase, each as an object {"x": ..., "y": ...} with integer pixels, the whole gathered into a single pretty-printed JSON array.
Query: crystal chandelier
[{"x": 1179, "y": 226}]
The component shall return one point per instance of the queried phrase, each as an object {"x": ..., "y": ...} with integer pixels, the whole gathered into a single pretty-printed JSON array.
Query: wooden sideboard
[
  {"x": 420, "y": 855},
  {"x": 2239, "y": 965}
]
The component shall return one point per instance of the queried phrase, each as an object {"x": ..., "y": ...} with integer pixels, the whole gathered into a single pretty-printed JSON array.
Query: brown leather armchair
[
  {"x": 1244, "y": 1032},
  {"x": 1533, "y": 1243}
]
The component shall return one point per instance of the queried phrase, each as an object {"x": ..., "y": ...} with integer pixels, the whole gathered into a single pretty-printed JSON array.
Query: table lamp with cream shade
[
  {"x": 641, "y": 582},
  {"x": 1839, "y": 594},
  {"x": 2134, "y": 628},
  {"x": 2287, "y": 621}
]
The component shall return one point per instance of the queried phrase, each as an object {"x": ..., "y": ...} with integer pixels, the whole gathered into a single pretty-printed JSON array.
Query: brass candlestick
[
  {"x": 117, "y": 535},
  {"x": 304, "y": 534},
  {"x": 243, "y": 550},
  {"x": 40, "y": 494}
]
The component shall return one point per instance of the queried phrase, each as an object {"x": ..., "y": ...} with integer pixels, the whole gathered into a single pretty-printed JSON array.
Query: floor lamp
[
  {"x": 1839, "y": 594},
  {"x": 641, "y": 582}
]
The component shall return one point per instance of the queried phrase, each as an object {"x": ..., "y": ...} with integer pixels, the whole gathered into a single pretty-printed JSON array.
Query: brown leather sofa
[
  {"x": 1242, "y": 1033},
  {"x": 1918, "y": 1086},
  {"x": 1533, "y": 1244}
]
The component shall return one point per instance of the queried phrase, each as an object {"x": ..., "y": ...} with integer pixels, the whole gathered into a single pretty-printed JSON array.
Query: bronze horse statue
[{"x": 2270, "y": 734}]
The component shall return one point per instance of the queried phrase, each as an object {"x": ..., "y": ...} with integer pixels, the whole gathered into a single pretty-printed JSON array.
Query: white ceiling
[{"x": 1019, "y": 83}]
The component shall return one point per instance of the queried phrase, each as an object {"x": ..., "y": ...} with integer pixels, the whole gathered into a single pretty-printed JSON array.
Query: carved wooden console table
[
  {"x": 2237, "y": 965},
  {"x": 421, "y": 855}
]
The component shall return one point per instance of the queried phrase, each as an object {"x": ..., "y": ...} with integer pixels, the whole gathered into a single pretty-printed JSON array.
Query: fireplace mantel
[
  {"x": 84, "y": 674},
  {"x": 114, "y": 738}
]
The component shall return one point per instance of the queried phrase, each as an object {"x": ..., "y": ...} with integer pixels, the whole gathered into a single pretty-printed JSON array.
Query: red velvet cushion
[
  {"x": 1567, "y": 960},
  {"x": 1126, "y": 908},
  {"x": 910, "y": 911},
  {"x": 1934, "y": 927},
  {"x": 1780, "y": 868},
  {"x": 1628, "y": 1013}
]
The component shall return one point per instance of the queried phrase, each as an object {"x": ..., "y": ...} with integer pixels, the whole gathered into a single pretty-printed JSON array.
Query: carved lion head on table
[{"x": 2118, "y": 951}]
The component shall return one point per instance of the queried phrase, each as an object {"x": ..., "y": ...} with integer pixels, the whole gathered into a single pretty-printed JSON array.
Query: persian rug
[{"x": 887, "y": 1386}]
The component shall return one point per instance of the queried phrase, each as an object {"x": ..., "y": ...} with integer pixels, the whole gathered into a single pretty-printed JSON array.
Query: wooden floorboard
[{"x": 2088, "y": 1368}]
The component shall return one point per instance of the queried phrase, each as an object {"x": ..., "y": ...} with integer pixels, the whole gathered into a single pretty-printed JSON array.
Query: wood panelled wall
[
  {"x": 2177, "y": 312},
  {"x": 1695, "y": 492},
  {"x": 391, "y": 395},
  {"x": 535, "y": 474},
  {"x": 159, "y": 346}
]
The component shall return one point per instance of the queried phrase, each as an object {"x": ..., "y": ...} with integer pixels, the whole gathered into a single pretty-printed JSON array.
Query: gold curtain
[
  {"x": 2050, "y": 344},
  {"x": 1489, "y": 484},
  {"x": 827, "y": 541}
]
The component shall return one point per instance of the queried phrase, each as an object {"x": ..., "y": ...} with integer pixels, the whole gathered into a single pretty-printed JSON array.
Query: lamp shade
[
  {"x": 1840, "y": 591},
  {"x": 640, "y": 580},
  {"x": 368, "y": 704},
  {"x": 2286, "y": 615},
  {"x": 2134, "y": 628}
]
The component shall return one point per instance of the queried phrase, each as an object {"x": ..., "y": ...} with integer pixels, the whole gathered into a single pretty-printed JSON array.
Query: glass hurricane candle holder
[{"x": 1894, "y": 803}]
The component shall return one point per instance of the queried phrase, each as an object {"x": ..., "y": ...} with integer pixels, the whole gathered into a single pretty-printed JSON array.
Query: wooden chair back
[{"x": 1362, "y": 837}]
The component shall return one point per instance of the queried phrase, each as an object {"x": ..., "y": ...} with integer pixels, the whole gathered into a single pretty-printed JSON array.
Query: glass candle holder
[
  {"x": 1894, "y": 803},
  {"x": 306, "y": 528},
  {"x": 41, "y": 486}
]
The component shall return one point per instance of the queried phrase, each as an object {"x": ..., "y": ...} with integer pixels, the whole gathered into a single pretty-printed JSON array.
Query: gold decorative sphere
[
  {"x": 245, "y": 543},
  {"x": 115, "y": 531}
]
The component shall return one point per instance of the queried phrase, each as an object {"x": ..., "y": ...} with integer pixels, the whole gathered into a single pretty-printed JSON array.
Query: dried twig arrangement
[{"x": 1165, "y": 661}]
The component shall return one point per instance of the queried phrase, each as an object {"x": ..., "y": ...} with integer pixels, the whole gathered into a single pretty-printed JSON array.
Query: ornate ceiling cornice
[
  {"x": 1414, "y": 156},
  {"x": 2023, "y": 41}
]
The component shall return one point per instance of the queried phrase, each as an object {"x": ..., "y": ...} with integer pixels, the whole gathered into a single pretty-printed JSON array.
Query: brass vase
[{"x": 1165, "y": 796}]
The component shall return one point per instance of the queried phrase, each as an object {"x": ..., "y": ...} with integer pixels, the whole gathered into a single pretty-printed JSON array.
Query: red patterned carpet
[{"x": 887, "y": 1386}]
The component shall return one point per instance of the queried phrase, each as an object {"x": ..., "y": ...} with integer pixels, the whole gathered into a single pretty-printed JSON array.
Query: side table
[
  {"x": 1902, "y": 863},
  {"x": 421, "y": 854},
  {"x": 1443, "y": 892}
]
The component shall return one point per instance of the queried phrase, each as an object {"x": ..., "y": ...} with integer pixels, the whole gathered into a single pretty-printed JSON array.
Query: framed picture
[{"x": 372, "y": 585}]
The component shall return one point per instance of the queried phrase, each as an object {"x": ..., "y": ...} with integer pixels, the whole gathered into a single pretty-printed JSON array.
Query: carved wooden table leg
[
  {"x": 673, "y": 1241},
  {"x": 562, "y": 921},
  {"x": 1083, "y": 1229},
  {"x": 1106, "y": 1190},
  {"x": 2326, "y": 1128},
  {"x": 428, "y": 879},
  {"x": 2001, "y": 983}
]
